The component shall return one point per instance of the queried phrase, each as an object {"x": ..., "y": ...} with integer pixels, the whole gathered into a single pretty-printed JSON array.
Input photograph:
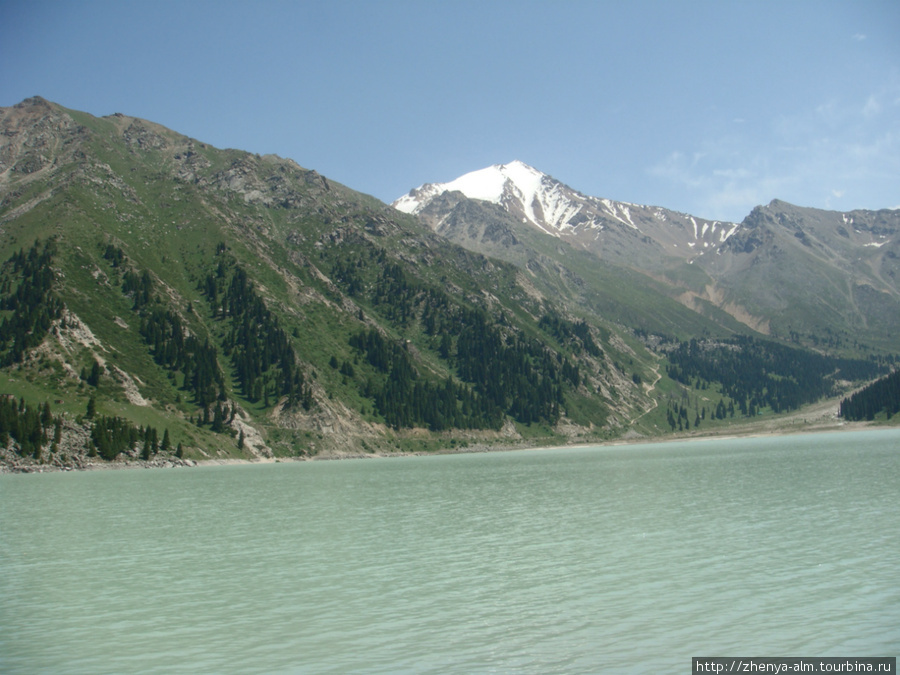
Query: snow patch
[
  {"x": 550, "y": 205},
  {"x": 543, "y": 201},
  {"x": 407, "y": 203},
  {"x": 724, "y": 236},
  {"x": 613, "y": 208}
]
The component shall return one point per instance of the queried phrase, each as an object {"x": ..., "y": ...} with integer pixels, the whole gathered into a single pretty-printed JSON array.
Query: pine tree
[
  {"x": 218, "y": 423},
  {"x": 46, "y": 415},
  {"x": 94, "y": 378}
]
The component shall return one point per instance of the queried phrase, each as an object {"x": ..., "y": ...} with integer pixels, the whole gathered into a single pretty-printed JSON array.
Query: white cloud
[
  {"x": 858, "y": 37},
  {"x": 719, "y": 183},
  {"x": 872, "y": 107},
  {"x": 840, "y": 154}
]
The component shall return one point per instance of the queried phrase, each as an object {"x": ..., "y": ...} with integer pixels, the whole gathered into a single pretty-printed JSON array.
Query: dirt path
[{"x": 653, "y": 403}]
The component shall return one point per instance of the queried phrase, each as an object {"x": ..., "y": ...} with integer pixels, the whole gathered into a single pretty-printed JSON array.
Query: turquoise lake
[{"x": 628, "y": 559}]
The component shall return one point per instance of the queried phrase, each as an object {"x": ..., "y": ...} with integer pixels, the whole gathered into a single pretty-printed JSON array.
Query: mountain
[
  {"x": 240, "y": 305},
  {"x": 816, "y": 276},
  {"x": 809, "y": 275},
  {"x": 164, "y": 301},
  {"x": 617, "y": 230}
]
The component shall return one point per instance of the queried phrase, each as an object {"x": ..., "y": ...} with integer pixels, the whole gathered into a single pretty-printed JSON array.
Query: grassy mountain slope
[
  {"x": 271, "y": 273},
  {"x": 166, "y": 300},
  {"x": 620, "y": 294},
  {"x": 820, "y": 277},
  {"x": 812, "y": 276}
]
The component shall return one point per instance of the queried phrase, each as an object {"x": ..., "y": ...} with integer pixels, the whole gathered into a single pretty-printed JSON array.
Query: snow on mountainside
[
  {"x": 554, "y": 208},
  {"x": 775, "y": 270},
  {"x": 541, "y": 200}
]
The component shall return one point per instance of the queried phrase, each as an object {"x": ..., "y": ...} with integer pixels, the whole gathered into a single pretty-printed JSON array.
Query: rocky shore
[
  {"x": 72, "y": 456},
  {"x": 11, "y": 462}
]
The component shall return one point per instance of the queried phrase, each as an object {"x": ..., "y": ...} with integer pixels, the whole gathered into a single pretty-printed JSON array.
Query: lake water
[{"x": 604, "y": 559}]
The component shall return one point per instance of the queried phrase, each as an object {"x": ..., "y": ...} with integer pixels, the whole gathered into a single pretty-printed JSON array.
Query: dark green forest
[
  {"x": 31, "y": 307},
  {"x": 37, "y": 432},
  {"x": 263, "y": 359},
  {"x": 27, "y": 300},
  {"x": 757, "y": 374},
  {"x": 882, "y": 396},
  {"x": 31, "y": 427},
  {"x": 500, "y": 370},
  {"x": 111, "y": 436}
]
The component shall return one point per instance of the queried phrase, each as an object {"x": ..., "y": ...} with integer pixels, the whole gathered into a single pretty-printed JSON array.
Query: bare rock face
[
  {"x": 35, "y": 133},
  {"x": 140, "y": 135},
  {"x": 636, "y": 235},
  {"x": 770, "y": 272}
]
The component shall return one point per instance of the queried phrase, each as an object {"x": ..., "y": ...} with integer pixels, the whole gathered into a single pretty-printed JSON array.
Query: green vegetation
[
  {"x": 507, "y": 371},
  {"x": 37, "y": 433},
  {"x": 111, "y": 436},
  {"x": 880, "y": 397},
  {"x": 756, "y": 374},
  {"x": 405, "y": 400},
  {"x": 242, "y": 305},
  {"x": 264, "y": 361},
  {"x": 26, "y": 294},
  {"x": 29, "y": 426}
]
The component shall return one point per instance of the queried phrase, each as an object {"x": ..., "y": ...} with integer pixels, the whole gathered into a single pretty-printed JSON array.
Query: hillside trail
[{"x": 653, "y": 403}]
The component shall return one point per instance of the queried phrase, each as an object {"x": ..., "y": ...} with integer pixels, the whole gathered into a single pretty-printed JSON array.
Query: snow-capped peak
[
  {"x": 516, "y": 186},
  {"x": 486, "y": 184},
  {"x": 543, "y": 202}
]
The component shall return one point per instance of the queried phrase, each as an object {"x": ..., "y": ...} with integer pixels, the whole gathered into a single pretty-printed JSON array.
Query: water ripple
[{"x": 614, "y": 559}]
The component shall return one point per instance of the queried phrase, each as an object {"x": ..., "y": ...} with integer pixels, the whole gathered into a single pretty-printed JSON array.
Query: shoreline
[{"x": 833, "y": 427}]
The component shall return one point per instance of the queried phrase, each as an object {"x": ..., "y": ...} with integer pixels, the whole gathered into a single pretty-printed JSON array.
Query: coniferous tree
[
  {"x": 28, "y": 281},
  {"x": 758, "y": 373},
  {"x": 93, "y": 378},
  {"x": 882, "y": 396}
]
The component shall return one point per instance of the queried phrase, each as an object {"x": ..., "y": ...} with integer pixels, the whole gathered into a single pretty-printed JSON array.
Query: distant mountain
[
  {"x": 809, "y": 275},
  {"x": 820, "y": 276},
  {"x": 592, "y": 223}
]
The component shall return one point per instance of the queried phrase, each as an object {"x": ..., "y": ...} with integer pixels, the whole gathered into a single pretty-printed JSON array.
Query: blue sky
[{"x": 705, "y": 107}]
